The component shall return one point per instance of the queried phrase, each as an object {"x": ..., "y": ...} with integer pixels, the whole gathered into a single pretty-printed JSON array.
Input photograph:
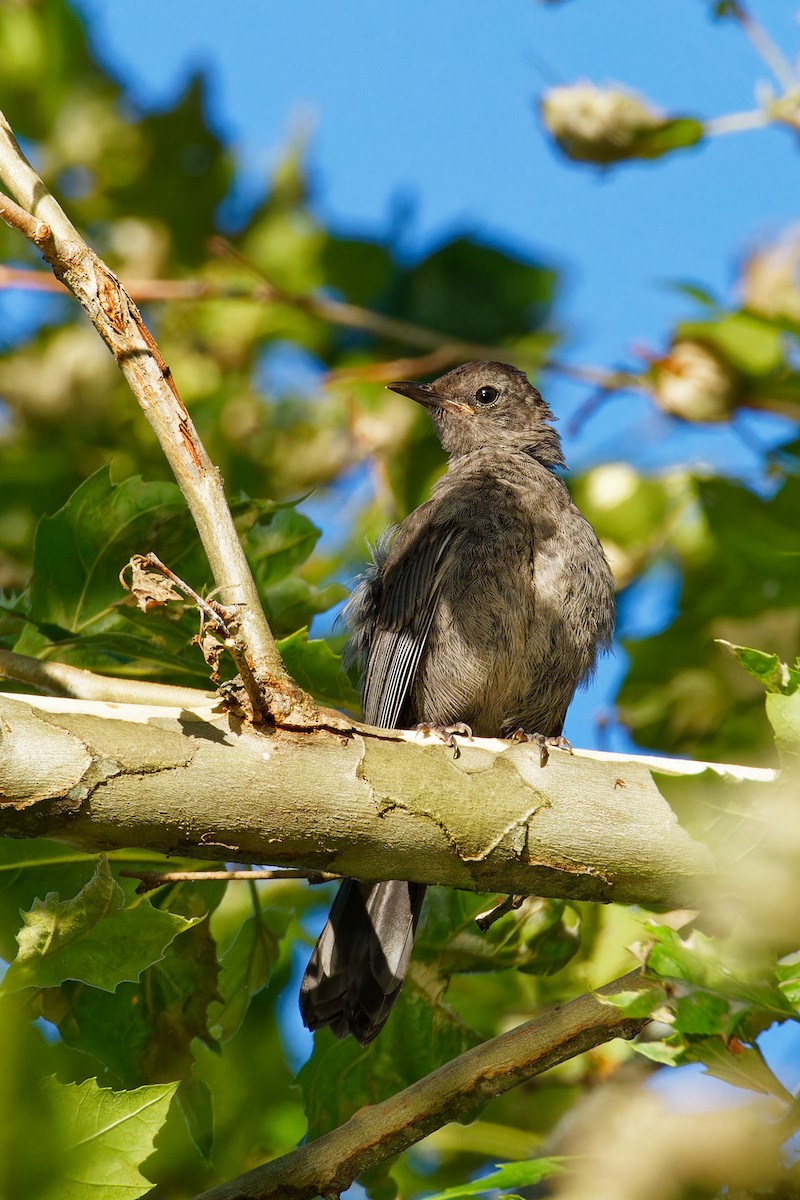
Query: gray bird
[{"x": 486, "y": 609}]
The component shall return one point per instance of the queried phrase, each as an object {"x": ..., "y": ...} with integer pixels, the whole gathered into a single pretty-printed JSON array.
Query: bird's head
[{"x": 488, "y": 404}]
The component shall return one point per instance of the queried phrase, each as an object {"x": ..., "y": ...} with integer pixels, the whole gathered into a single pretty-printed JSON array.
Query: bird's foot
[
  {"x": 543, "y": 742},
  {"x": 446, "y": 733}
]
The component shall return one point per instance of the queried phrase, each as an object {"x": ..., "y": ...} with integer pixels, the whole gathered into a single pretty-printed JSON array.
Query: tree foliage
[{"x": 165, "y": 1024}]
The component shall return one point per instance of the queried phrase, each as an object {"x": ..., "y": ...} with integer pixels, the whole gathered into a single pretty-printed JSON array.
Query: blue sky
[
  {"x": 430, "y": 106},
  {"x": 433, "y": 103}
]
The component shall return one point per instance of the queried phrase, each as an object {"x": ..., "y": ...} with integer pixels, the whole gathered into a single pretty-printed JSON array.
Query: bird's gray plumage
[{"x": 487, "y": 606}]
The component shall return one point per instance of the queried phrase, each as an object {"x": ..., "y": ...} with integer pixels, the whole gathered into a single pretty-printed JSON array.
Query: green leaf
[
  {"x": 788, "y": 973},
  {"x": 291, "y": 603},
  {"x": 201, "y": 167},
  {"x": 695, "y": 291},
  {"x": 682, "y": 693},
  {"x": 246, "y": 968},
  {"x": 660, "y": 1052},
  {"x": 742, "y": 1066},
  {"x": 724, "y": 992},
  {"x": 318, "y": 670},
  {"x": 775, "y": 675},
  {"x": 92, "y": 937},
  {"x": 784, "y": 717},
  {"x": 276, "y": 547},
  {"x": 475, "y": 292},
  {"x": 197, "y": 1107},
  {"x": 107, "y": 1137},
  {"x": 702, "y": 1014},
  {"x": 749, "y": 342},
  {"x": 539, "y": 938},
  {"x": 142, "y": 1032},
  {"x": 421, "y": 1034},
  {"x": 29, "y": 869},
  {"x": 80, "y": 551},
  {"x": 678, "y": 133},
  {"x": 519, "y": 1174},
  {"x": 639, "y": 1003}
]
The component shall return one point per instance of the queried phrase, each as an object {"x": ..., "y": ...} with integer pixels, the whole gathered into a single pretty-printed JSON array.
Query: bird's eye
[{"x": 486, "y": 396}]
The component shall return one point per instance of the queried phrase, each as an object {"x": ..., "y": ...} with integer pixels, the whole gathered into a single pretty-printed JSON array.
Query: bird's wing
[{"x": 410, "y": 584}]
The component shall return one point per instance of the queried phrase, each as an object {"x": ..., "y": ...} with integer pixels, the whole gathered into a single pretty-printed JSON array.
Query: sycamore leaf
[
  {"x": 784, "y": 717},
  {"x": 245, "y": 968},
  {"x": 742, "y": 1066},
  {"x": 80, "y": 550},
  {"x": 660, "y": 1052},
  {"x": 636, "y": 1003},
  {"x": 93, "y": 937},
  {"x": 106, "y": 1136},
  {"x": 518, "y": 1174},
  {"x": 316, "y": 668},
  {"x": 422, "y": 1033},
  {"x": 768, "y": 669}
]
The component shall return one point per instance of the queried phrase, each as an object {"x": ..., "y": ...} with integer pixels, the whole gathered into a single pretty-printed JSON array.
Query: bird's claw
[
  {"x": 543, "y": 742},
  {"x": 446, "y": 733}
]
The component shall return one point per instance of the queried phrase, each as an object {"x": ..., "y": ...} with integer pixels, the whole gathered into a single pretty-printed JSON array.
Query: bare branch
[
  {"x": 59, "y": 679},
  {"x": 328, "y": 1165},
  {"x": 442, "y": 350},
  {"x": 17, "y": 218},
  {"x": 739, "y": 122},
  {"x": 120, "y": 324},
  {"x": 154, "y": 879},
  {"x": 770, "y": 54},
  {"x": 486, "y": 919}
]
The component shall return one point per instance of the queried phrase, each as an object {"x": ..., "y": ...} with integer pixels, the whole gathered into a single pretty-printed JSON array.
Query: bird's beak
[{"x": 426, "y": 394}]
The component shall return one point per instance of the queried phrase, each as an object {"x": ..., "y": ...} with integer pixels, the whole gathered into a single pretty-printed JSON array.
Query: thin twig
[
  {"x": 154, "y": 879},
  {"x": 352, "y": 316},
  {"x": 485, "y": 920},
  {"x": 59, "y": 679},
  {"x": 405, "y": 368},
  {"x": 769, "y": 52},
  {"x": 120, "y": 324},
  {"x": 444, "y": 351},
  {"x": 740, "y": 122},
  {"x": 328, "y": 1165},
  {"x": 35, "y": 231}
]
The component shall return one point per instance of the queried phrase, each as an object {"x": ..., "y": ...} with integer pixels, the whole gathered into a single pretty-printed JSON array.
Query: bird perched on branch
[{"x": 484, "y": 611}]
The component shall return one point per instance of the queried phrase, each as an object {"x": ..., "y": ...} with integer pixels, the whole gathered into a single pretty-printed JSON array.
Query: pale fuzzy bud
[
  {"x": 771, "y": 278},
  {"x": 695, "y": 383},
  {"x": 595, "y": 124},
  {"x": 141, "y": 247},
  {"x": 786, "y": 110}
]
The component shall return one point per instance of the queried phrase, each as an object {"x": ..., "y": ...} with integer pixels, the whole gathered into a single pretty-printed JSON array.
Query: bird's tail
[{"x": 360, "y": 961}]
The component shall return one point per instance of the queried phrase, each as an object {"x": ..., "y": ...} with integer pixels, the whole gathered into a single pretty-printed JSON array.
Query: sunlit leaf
[
  {"x": 775, "y": 675},
  {"x": 93, "y": 937},
  {"x": 245, "y": 968},
  {"x": 107, "y": 1137},
  {"x": 317, "y": 669},
  {"x": 519, "y": 1174}
]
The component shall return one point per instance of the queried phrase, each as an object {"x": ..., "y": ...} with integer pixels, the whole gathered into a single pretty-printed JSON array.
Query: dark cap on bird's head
[{"x": 487, "y": 403}]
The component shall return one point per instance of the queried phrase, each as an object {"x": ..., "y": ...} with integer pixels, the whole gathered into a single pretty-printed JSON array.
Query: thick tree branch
[
  {"x": 355, "y": 802},
  {"x": 329, "y": 1164},
  {"x": 120, "y": 324}
]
